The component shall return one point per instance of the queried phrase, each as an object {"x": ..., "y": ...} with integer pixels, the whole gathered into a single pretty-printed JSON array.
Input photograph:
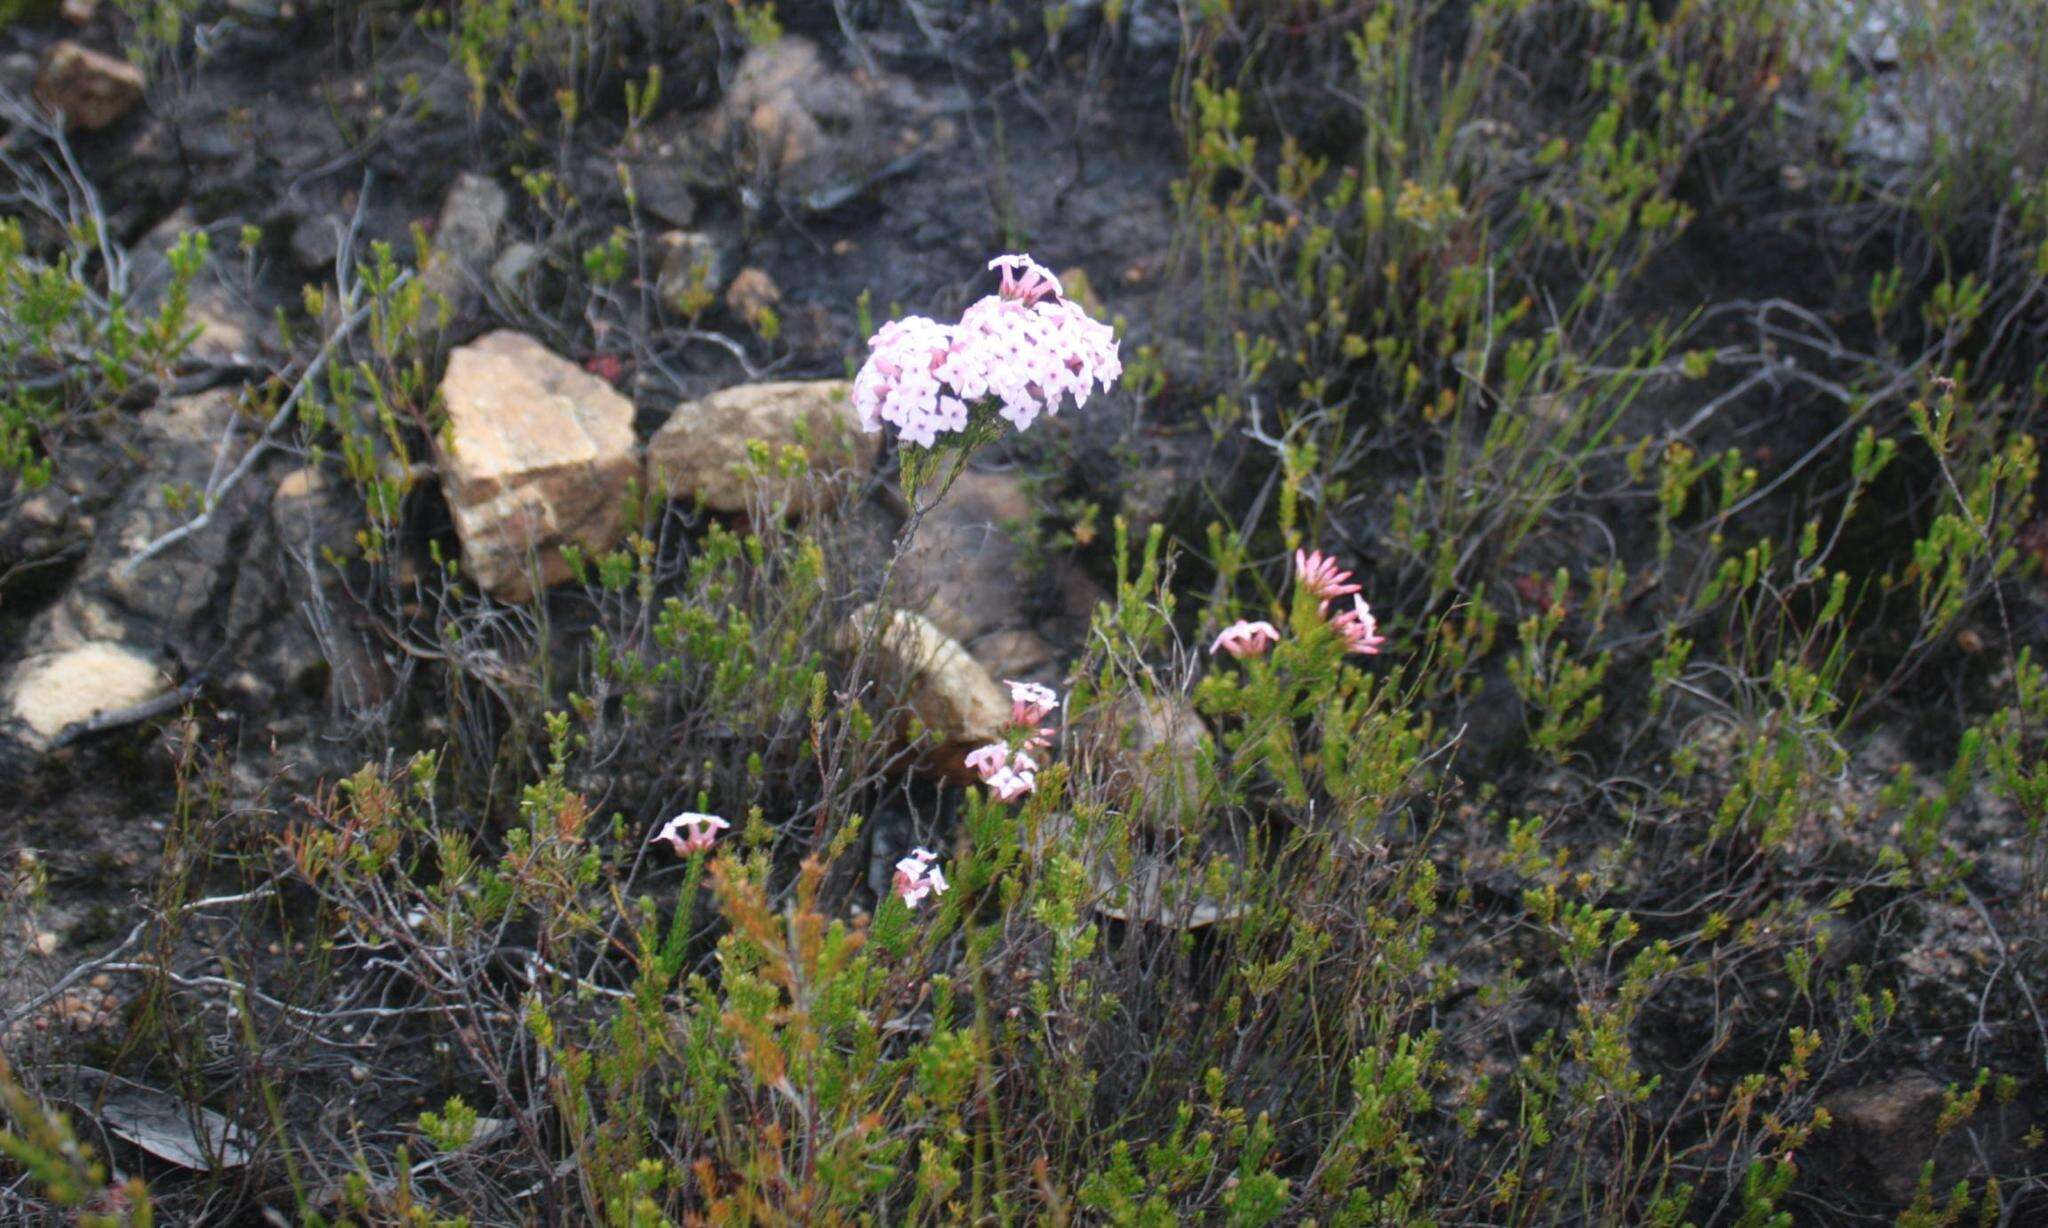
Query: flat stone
[
  {"x": 52, "y": 691},
  {"x": 537, "y": 455},
  {"x": 701, "y": 452},
  {"x": 91, "y": 89}
]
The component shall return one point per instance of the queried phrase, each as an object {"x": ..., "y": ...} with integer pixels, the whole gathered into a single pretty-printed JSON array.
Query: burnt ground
[{"x": 289, "y": 126}]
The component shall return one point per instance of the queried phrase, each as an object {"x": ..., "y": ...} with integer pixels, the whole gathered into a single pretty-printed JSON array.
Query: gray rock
[
  {"x": 315, "y": 242},
  {"x": 512, "y": 273},
  {"x": 175, "y": 601},
  {"x": 465, "y": 240},
  {"x": 1884, "y": 1133},
  {"x": 696, "y": 267},
  {"x": 230, "y": 330},
  {"x": 965, "y": 569}
]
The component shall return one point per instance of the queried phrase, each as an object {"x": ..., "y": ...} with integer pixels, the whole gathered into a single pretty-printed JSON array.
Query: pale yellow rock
[
  {"x": 52, "y": 691},
  {"x": 701, "y": 452},
  {"x": 537, "y": 455}
]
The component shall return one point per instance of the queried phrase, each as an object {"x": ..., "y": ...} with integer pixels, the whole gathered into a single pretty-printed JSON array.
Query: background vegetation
[{"x": 1671, "y": 374}]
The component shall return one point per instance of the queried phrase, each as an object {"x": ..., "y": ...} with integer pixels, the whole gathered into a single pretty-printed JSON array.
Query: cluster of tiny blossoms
[
  {"x": 1011, "y": 771},
  {"x": 1318, "y": 575},
  {"x": 1027, "y": 346}
]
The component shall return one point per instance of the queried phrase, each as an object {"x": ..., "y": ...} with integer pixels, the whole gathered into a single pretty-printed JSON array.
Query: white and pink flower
[
  {"x": 1359, "y": 629},
  {"x": 1031, "y": 702},
  {"x": 1246, "y": 639},
  {"x": 689, "y": 833},
  {"x": 1027, "y": 345},
  {"x": 1009, "y": 774},
  {"x": 918, "y": 876},
  {"x": 1318, "y": 573}
]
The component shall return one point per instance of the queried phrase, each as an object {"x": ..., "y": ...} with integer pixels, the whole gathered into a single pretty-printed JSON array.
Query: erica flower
[
  {"x": 1359, "y": 629},
  {"x": 1031, "y": 703},
  {"x": 1317, "y": 572},
  {"x": 1245, "y": 639},
  {"x": 691, "y": 833},
  {"x": 1009, "y": 774},
  {"x": 917, "y": 877},
  {"x": 989, "y": 760},
  {"x": 1008, "y": 785}
]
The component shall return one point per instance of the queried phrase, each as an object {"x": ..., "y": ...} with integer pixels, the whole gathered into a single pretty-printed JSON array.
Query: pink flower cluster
[
  {"x": 1009, "y": 774},
  {"x": 1009, "y": 771},
  {"x": 689, "y": 833},
  {"x": 1319, "y": 576},
  {"x": 1027, "y": 345},
  {"x": 918, "y": 876}
]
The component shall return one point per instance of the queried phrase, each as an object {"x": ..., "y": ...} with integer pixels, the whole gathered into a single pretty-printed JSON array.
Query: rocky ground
[{"x": 173, "y": 621}]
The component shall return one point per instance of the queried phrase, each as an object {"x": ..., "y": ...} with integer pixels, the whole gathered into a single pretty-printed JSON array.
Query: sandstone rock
[
  {"x": 695, "y": 269},
  {"x": 50, "y": 692},
  {"x": 465, "y": 238},
  {"x": 944, "y": 689},
  {"x": 91, "y": 89},
  {"x": 701, "y": 451},
  {"x": 537, "y": 455},
  {"x": 752, "y": 295}
]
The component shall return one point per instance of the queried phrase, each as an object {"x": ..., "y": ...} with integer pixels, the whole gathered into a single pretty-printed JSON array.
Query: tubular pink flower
[
  {"x": 1025, "y": 279},
  {"x": 1031, "y": 702},
  {"x": 1317, "y": 572},
  {"x": 689, "y": 833},
  {"x": 1245, "y": 639},
  {"x": 990, "y": 759},
  {"x": 1359, "y": 629},
  {"x": 1009, "y": 774},
  {"x": 1010, "y": 785},
  {"x": 917, "y": 876}
]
